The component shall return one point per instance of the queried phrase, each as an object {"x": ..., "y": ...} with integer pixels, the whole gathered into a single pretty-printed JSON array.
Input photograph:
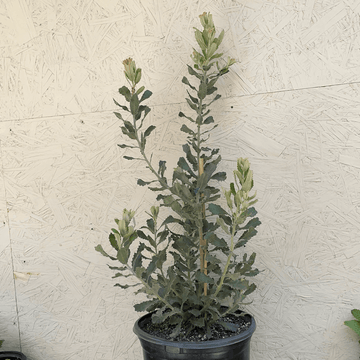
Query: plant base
[{"x": 236, "y": 347}]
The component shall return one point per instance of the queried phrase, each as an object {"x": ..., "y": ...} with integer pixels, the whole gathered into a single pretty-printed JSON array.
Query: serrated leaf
[
  {"x": 137, "y": 258},
  {"x": 199, "y": 38},
  {"x": 186, "y": 130},
  {"x": 129, "y": 126},
  {"x": 193, "y": 98},
  {"x": 144, "y": 305},
  {"x": 251, "y": 273},
  {"x": 151, "y": 267},
  {"x": 216, "y": 56},
  {"x": 123, "y": 255},
  {"x": 216, "y": 241},
  {"x": 193, "y": 72},
  {"x": 140, "y": 90},
  {"x": 240, "y": 244},
  {"x": 122, "y": 106},
  {"x": 210, "y": 167},
  {"x": 216, "y": 209},
  {"x": 126, "y": 286},
  {"x": 121, "y": 275},
  {"x": 195, "y": 312},
  {"x": 163, "y": 236},
  {"x": 222, "y": 224},
  {"x": 212, "y": 82},
  {"x": 248, "y": 234},
  {"x": 154, "y": 306},
  {"x": 238, "y": 284},
  {"x": 126, "y": 132},
  {"x": 186, "y": 82},
  {"x": 142, "y": 109},
  {"x": 160, "y": 316},
  {"x": 209, "y": 120},
  {"x": 157, "y": 189},
  {"x": 178, "y": 174},
  {"x": 171, "y": 220},
  {"x": 192, "y": 105},
  {"x": 199, "y": 322},
  {"x": 121, "y": 268},
  {"x": 252, "y": 223},
  {"x": 142, "y": 235},
  {"x": 202, "y": 91},
  {"x": 211, "y": 90},
  {"x": 100, "y": 249},
  {"x": 212, "y": 49},
  {"x": 229, "y": 326},
  {"x": 162, "y": 256},
  {"x": 251, "y": 288},
  {"x": 119, "y": 116},
  {"x": 202, "y": 181},
  {"x": 113, "y": 241},
  {"x": 185, "y": 166},
  {"x": 234, "y": 276},
  {"x": 251, "y": 212},
  {"x": 162, "y": 292},
  {"x": 220, "y": 38},
  {"x": 125, "y": 92},
  {"x": 139, "y": 272},
  {"x": 212, "y": 259},
  {"x": 134, "y": 104},
  {"x": 176, "y": 331},
  {"x": 189, "y": 156},
  {"x": 227, "y": 219},
  {"x": 151, "y": 225},
  {"x": 181, "y": 114},
  {"x": 162, "y": 168},
  {"x": 208, "y": 67},
  {"x": 199, "y": 276},
  {"x": 217, "y": 97},
  {"x": 223, "y": 71},
  {"x": 143, "y": 183},
  {"x": 220, "y": 176},
  {"x": 123, "y": 146},
  {"x": 183, "y": 192}
]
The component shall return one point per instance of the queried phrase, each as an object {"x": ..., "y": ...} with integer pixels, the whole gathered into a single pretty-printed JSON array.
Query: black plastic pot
[
  {"x": 12, "y": 355},
  {"x": 236, "y": 347}
]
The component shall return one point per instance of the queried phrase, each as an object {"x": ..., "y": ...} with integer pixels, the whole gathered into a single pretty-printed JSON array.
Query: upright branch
[{"x": 203, "y": 243}]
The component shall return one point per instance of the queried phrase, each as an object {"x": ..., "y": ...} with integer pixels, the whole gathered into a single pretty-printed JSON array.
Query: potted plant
[
  {"x": 11, "y": 355},
  {"x": 190, "y": 265}
]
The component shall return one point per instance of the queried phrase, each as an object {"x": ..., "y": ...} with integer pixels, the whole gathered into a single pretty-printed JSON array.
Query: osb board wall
[{"x": 291, "y": 105}]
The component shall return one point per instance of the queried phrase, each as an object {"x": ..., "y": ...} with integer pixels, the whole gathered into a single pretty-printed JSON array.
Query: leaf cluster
[{"x": 191, "y": 264}]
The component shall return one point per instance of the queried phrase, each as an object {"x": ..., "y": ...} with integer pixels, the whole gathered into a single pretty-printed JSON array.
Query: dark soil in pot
[{"x": 164, "y": 330}]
